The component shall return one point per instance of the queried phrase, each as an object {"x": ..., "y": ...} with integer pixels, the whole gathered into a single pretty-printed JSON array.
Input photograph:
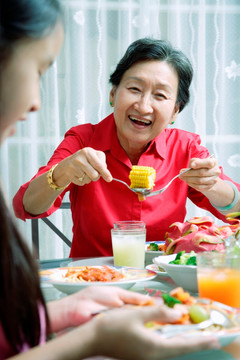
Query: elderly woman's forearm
[
  {"x": 224, "y": 196},
  {"x": 39, "y": 197}
]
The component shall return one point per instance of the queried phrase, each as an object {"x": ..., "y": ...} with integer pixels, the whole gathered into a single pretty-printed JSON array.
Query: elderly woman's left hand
[{"x": 204, "y": 174}]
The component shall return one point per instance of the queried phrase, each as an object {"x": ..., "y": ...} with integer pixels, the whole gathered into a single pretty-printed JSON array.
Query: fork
[{"x": 148, "y": 192}]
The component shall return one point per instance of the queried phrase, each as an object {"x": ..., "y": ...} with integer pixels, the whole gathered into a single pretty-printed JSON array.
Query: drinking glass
[
  {"x": 128, "y": 243},
  {"x": 218, "y": 277}
]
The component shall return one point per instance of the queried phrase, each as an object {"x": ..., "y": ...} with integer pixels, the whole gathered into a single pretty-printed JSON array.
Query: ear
[
  {"x": 174, "y": 114},
  {"x": 112, "y": 94}
]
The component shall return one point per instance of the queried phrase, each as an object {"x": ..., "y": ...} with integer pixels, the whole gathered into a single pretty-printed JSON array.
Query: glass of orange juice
[{"x": 218, "y": 276}]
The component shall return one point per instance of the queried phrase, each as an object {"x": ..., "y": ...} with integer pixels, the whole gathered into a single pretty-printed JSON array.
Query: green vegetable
[
  {"x": 192, "y": 261},
  {"x": 185, "y": 259},
  {"x": 198, "y": 313},
  {"x": 153, "y": 247},
  {"x": 169, "y": 300}
]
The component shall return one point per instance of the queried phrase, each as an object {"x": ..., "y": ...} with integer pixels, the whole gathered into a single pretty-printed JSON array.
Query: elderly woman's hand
[
  {"x": 204, "y": 175},
  {"x": 86, "y": 165}
]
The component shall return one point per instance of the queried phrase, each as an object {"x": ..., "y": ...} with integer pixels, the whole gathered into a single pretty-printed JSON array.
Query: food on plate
[
  {"x": 142, "y": 177},
  {"x": 182, "y": 258},
  {"x": 155, "y": 247},
  {"x": 199, "y": 234},
  {"x": 92, "y": 273},
  {"x": 195, "y": 310}
]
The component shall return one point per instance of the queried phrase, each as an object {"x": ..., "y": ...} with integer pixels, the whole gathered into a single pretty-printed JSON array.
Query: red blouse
[{"x": 96, "y": 206}]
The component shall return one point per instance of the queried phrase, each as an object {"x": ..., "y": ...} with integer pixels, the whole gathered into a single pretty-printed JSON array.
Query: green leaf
[{"x": 169, "y": 300}]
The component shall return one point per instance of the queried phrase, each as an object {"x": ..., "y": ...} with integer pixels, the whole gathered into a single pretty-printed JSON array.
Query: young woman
[{"x": 31, "y": 34}]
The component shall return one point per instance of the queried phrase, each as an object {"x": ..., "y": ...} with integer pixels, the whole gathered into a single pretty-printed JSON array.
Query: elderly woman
[{"x": 150, "y": 86}]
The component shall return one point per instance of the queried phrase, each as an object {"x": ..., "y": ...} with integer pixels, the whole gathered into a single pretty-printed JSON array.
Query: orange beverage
[
  {"x": 221, "y": 285},
  {"x": 218, "y": 276}
]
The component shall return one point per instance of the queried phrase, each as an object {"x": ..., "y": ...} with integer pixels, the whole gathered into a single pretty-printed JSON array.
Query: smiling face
[
  {"x": 20, "y": 78},
  {"x": 144, "y": 104}
]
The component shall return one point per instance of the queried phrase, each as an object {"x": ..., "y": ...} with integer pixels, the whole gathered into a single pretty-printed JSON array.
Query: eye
[
  {"x": 160, "y": 96},
  {"x": 134, "y": 89}
]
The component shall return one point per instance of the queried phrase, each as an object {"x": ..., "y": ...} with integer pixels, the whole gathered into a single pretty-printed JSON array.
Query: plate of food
[
  {"x": 71, "y": 279},
  {"x": 199, "y": 316},
  {"x": 153, "y": 249},
  {"x": 157, "y": 269}
]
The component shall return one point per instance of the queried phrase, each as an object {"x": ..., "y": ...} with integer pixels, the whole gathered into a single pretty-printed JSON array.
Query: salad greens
[{"x": 185, "y": 259}]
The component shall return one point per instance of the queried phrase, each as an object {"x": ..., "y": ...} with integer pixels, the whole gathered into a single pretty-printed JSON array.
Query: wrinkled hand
[
  {"x": 204, "y": 175},
  {"x": 86, "y": 165},
  {"x": 122, "y": 334}
]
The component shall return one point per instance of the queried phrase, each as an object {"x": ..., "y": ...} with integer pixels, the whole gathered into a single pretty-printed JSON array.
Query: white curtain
[{"x": 75, "y": 90}]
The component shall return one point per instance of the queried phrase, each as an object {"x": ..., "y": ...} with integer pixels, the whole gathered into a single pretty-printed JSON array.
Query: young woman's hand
[
  {"x": 122, "y": 334},
  {"x": 80, "y": 307}
]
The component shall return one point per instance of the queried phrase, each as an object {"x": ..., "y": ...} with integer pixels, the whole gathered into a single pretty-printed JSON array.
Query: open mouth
[{"x": 140, "y": 121}]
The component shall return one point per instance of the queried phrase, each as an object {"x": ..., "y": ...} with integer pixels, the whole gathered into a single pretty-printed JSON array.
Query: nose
[{"x": 144, "y": 104}]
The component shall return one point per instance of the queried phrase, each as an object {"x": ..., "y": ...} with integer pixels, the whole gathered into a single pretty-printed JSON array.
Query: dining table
[{"x": 230, "y": 351}]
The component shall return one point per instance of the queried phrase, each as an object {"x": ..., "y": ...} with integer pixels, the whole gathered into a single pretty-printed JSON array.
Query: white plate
[
  {"x": 154, "y": 267},
  {"x": 133, "y": 276}
]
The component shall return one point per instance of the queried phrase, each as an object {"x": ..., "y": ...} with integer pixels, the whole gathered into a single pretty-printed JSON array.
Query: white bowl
[
  {"x": 149, "y": 254},
  {"x": 183, "y": 275}
]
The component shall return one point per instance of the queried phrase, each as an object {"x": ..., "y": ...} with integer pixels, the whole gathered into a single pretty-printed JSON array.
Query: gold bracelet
[{"x": 52, "y": 184}]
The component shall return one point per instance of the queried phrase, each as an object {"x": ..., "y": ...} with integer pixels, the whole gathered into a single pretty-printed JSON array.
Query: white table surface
[{"x": 229, "y": 352}]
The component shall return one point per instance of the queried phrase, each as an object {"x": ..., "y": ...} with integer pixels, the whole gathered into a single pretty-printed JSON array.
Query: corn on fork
[{"x": 148, "y": 192}]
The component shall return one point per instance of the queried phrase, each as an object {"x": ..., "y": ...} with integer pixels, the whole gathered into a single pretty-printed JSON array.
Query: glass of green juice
[{"x": 128, "y": 243}]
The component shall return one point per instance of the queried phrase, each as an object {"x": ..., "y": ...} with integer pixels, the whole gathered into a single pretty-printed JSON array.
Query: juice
[
  {"x": 129, "y": 249},
  {"x": 222, "y": 284}
]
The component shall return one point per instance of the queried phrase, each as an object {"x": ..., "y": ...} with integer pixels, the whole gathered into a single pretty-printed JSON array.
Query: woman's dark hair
[
  {"x": 147, "y": 49},
  {"x": 21, "y": 19},
  {"x": 20, "y": 288},
  {"x": 21, "y": 295}
]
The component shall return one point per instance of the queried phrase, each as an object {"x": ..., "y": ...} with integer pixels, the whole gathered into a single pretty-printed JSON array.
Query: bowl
[
  {"x": 183, "y": 275},
  {"x": 149, "y": 254}
]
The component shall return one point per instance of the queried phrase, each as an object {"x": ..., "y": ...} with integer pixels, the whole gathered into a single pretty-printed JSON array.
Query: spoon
[
  {"x": 216, "y": 318},
  {"x": 148, "y": 192}
]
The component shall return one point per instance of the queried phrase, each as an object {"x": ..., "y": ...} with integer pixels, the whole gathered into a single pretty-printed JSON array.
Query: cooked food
[
  {"x": 92, "y": 273},
  {"x": 155, "y": 247},
  {"x": 195, "y": 310},
  {"x": 142, "y": 177}
]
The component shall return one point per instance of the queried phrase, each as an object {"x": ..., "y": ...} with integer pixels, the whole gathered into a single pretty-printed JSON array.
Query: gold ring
[{"x": 81, "y": 178}]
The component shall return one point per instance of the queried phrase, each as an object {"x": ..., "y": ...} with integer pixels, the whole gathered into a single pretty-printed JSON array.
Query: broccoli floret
[
  {"x": 153, "y": 247},
  {"x": 192, "y": 261},
  {"x": 185, "y": 259}
]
